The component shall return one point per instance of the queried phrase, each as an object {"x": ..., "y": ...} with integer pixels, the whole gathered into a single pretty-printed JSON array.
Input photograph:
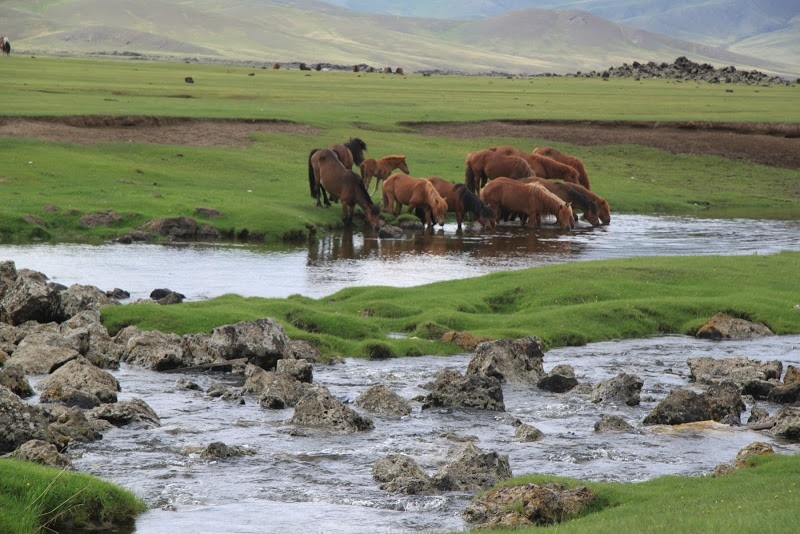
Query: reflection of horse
[
  {"x": 572, "y": 161},
  {"x": 485, "y": 165},
  {"x": 577, "y": 195},
  {"x": 543, "y": 166},
  {"x": 326, "y": 171},
  {"x": 5, "y": 45},
  {"x": 532, "y": 200},
  {"x": 381, "y": 168},
  {"x": 399, "y": 189},
  {"x": 461, "y": 200}
]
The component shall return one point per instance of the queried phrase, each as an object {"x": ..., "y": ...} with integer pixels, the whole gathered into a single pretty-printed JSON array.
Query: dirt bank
[{"x": 769, "y": 144}]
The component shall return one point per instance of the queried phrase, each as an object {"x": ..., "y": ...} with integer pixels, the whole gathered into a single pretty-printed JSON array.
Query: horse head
[
  {"x": 372, "y": 216},
  {"x": 565, "y": 216},
  {"x": 604, "y": 211},
  {"x": 403, "y": 166}
]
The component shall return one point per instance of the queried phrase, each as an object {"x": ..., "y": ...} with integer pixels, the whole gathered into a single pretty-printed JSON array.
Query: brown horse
[
  {"x": 326, "y": 171},
  {"x": 399, "y": 189},
  {"x": 543, "y": 166},
  {"x": 349, "y": 153},
  {"x": 572, "y": 161},
  {"x": 532, "y": 200},
  {"x": 381, "y": 169},
  {"x": 461, "y": 200},
  {"x": 5, "y": 45},
  {"x": 484, "y": 165},
  {"x": 577, "y": 195}
]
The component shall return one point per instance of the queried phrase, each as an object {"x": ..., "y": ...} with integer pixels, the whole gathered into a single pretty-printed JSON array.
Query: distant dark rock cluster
[{"x": 687, "y": 70}]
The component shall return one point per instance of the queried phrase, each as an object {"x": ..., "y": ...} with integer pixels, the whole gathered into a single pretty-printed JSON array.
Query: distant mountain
[{"x": 525, "y": 41}]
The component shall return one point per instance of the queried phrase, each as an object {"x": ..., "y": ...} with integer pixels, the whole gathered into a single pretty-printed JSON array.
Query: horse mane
[
  {"x": 579, "y": 195},
  {"x": 357, "y": 147},
  {"x": 550, "y": 202}
]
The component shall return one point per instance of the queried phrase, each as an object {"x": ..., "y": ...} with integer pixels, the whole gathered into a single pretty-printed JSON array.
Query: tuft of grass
[
  {"x": 564, "y": 305},
  {"x": 34, "y": 498}
]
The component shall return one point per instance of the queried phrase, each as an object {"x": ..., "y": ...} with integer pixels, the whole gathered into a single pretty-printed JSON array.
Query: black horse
[{"x": 5, "y": 45}]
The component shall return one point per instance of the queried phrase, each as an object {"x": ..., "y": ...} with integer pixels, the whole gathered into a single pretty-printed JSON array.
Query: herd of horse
[{"x": 500, "y": 184}]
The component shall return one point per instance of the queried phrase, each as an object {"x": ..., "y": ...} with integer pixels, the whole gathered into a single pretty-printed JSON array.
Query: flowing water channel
[{"x": 311, "y": 482}]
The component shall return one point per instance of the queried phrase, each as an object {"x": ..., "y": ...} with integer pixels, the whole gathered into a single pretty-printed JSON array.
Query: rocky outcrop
[
  {"x": 21, "y": 422},
  {"x": 399, "y": 473},
  {"x": 739, "y": 370},
  {"x": 722, "y": 326},
  {"x": 451, "y": 388},
  {"x": 517, "y": 361},
  {"x": 79, "y": 383},
  {"x": 470, "y": 469},
  {"x": 382, "y": 400},
  {"x": 261, "y": 342},
  {"x": 687, "y": 70},
  {"x": 515, "y": 507},
  {"x": 319, "y": 409},
  {"x": 623, "y": 388},
  {"x": 722, "y": 402},
  {"x": 151, "y": 349},
  {"x": 41, "y": 351},
  {"x": 273, "y": 389}
]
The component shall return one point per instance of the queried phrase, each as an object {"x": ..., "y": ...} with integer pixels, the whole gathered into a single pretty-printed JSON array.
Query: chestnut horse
[
  {"x": 381, "y": 169},
  {"x": 576, "y": 194},
  {"x": 326, "y": 171},
  {"x": 532, "y": 200},
  {"x": 349, "y": 153},
  {"x": 543, "y": 166},
  {"x": 399, "y": 189},
  {"x": 460, "y": 200},
  {"x": 572, "y": 161},
  {"x": 484, "y": 165}
]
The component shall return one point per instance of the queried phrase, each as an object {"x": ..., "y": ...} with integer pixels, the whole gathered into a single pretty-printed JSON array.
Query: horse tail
[
  {"x": 312, "y": 180},
  {"x": 469, "y": 176}
]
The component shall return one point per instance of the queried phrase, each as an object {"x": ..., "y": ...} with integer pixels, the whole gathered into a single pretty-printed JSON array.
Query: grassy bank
[
  {"x": 561, "y": 304},
  {"x": 260, "y": 186},
  {"x": 34, "y": 498},
  {"x": 761, "y": 498}
]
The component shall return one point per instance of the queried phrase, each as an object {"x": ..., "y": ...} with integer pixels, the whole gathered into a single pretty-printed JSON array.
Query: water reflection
[{"x": 337, "y": 261}]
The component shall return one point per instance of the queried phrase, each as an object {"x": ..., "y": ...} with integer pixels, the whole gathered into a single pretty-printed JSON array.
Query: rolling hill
[{"x": 525, "y": 41}]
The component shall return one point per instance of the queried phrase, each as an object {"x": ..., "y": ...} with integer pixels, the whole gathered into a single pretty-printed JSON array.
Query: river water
[{"x": 311, "y": 482}]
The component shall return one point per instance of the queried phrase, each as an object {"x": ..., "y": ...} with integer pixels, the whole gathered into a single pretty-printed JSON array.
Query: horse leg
[{"x": 347, "y": 209}]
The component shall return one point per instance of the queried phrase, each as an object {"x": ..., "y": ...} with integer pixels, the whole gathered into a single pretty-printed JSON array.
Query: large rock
[
  {"x": 272, "y": 386},
  {"x": 509, "y": 360},
  {"x": 150, "y": 349},
  {"x": 560, "y": 379},
  {"x": 21, "y": 422},
  {"x": 450, "y": 388},
  {"x": 740, "y": 370},
  {"x": 319, "y": 409},
  {"x": 77, "y": 298},
  {"x": 97, "y": 345},
  {"x": 261, "y": 342},
  {"x": 786, "y": 423},
  {"x": 381, "y": 399},
  {"x": 515, "y": 507},
  {"x": 29, "y": 297},
  {"x": 722, "y": 326},
  {"x": 40, "y": 351},
  {"x": 79, "y": 383},
  {"x": 41, "y": 452},
  {"x": 134, "y": 412},
  {"x": 722, "y": 402},
  {"x": 399, "y": 473},
  {"x": 623, "y": 388},
  {"x": 13, "y": 377},
  {"x": 470, "y": 469}
]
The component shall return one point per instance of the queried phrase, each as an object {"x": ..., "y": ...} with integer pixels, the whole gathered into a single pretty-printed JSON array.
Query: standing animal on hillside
[
  {"x": 531, "y": 200},
  {"x": 5, "y": 45},
  {"x": 381, "y": 169},
  {"x": 326, "y": 171},
  {"x": 400, "y": 189},
  {"x": 572, "y": 161},
  {"x": 542, "y": 166},
  {"x": 485, "y": 165},
  {"x": 461, "y": 200}
]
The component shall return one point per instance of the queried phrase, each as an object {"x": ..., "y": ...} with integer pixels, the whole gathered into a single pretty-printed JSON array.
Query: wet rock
[
  {"x": 559, "y": 380},
  {"x": 41, "y": 452},
  {"x": 792, "y": 375},
  {"x": 613, "y": 423},
  {"x": 300, "y": 349},
  {"x": 118, "y": 294},
  {"x": 166, "y": 296},
  {"x": 79, "y": 383},
  {"x": 680, "y": 406},
  {"x": 73, "y": 425},
  {"x": 470, "y": 469},
  {"x": 757, "y": 414},
  {"x": 527, "y": 433},
  {"x": 399, "y": 473},
  {"x": 725, "y": 401},
  {"x": 13, "y": 378},
  {"x": 218, "y": 449},
  {"x": 739, "y": 370},
  {"x": 623, "y": 388},
  {"x": 89, "y": 336},
  {"x": 381, "y": 399},
  {"x": 786, "y": 423},
  {"x": 261, "y": 342},
  {"x": 722, "y": 326},
  {"x": 150, "y": 349},
  {"x": 269, "y": 386},
  {"x": 450, "y": 388},
  {"x": 513, "y": 361},
  {"x": 134, "y": 412},
  {"x": 21, "y": 422},
  {"x": 388, "y": 231},
  {"x": 300, "y": 370},
  {"x": 181, "y": 228},
  {"x": 77, "y": 298},
  {"x": 785, "y": 394},
  {"x": 319, "y": 409},
  {"x": 530, "y": 504}
]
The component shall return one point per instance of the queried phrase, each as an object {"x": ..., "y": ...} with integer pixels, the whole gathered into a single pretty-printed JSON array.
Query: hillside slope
[{"x": 528, "y": 41}]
